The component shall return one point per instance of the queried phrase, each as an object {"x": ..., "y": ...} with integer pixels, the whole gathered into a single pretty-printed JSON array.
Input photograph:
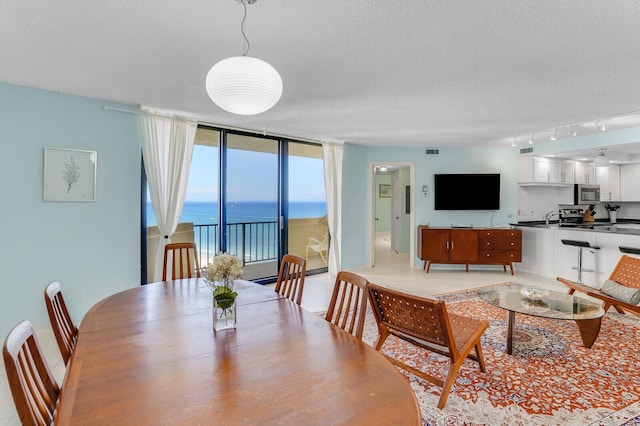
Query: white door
[{"x": 395, "y": 212}]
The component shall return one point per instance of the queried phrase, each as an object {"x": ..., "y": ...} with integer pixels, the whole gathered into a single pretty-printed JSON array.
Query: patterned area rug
[{"x": 551, "y": 379}]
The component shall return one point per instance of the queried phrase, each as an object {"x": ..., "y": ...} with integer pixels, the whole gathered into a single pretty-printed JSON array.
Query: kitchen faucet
[{"x": 548, "y": 215}]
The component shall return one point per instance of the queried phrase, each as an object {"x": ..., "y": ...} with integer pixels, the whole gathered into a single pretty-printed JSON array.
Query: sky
[{"x": 252, "y": 176}]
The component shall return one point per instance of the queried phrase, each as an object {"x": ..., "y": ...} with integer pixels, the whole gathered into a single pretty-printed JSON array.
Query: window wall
[{"x": 257, "y": 197}]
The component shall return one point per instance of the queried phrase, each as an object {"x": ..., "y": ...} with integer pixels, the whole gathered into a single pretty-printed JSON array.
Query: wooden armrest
[{"x": 575, "y": 286}]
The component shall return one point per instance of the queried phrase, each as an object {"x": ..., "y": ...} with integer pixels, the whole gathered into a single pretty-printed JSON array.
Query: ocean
[{"x": 206, "y": 213}]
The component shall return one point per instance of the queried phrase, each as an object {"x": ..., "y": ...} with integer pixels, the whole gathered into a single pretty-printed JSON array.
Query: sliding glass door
[
  {"x": 254, "y": 196},
  {"x": 251, "y": 203}
]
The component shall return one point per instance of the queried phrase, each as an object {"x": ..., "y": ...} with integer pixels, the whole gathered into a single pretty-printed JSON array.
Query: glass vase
[{"x": 224, "y": 306}]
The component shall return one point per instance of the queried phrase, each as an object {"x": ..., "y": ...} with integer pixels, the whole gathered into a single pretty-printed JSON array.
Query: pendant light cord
[{"x": 246, "y": 44}]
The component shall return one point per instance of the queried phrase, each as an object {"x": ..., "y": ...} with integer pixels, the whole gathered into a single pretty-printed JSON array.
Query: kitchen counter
[{"x": 627, "y": 227}]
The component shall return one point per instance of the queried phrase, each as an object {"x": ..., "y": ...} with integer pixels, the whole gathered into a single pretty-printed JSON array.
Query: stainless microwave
[{"x": 586, "y": 194}]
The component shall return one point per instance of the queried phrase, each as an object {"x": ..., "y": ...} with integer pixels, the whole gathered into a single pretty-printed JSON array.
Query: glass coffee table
[{"x": 539, "y": 302}]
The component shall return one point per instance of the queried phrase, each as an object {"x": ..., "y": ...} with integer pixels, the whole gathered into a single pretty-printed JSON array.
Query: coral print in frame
[{"x": 69, "y": 174}]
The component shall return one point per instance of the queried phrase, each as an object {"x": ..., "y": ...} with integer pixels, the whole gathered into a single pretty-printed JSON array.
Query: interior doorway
[{"x": 392, "y": 212}]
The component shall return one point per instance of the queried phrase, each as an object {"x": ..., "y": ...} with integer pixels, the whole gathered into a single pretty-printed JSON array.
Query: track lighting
[{"x": 616, "y": 121}]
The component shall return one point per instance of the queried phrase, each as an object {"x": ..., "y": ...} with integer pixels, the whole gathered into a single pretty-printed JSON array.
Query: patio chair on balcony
[{"x": 319, "y": 245}]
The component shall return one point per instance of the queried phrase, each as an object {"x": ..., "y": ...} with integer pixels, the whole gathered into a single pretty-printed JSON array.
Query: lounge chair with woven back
[{"x": 621, "y": 290}]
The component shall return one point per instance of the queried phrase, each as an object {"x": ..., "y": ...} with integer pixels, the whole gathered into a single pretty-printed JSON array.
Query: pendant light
[
  {"x": 601, "y": 160},
  {"x": 244, "y": 85}
]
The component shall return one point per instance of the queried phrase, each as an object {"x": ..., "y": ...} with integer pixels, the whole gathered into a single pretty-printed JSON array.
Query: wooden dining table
[{"x": 150, "y": 355}]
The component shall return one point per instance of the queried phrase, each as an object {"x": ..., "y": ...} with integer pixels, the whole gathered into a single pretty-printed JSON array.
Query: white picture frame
[{"x": 69, "y": 175}]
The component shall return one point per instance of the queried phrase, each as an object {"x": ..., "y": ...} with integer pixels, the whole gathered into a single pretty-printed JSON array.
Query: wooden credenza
[{"x": 477, "y": 246}]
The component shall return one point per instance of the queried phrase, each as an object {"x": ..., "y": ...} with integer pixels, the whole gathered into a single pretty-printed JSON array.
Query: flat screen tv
[{"x": 467, "y": 191}]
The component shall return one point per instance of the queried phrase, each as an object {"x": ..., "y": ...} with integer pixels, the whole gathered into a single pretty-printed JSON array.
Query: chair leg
[
  {"x": 480, "y": 357},
  {"x": 382, "y": 336},
  {"x": 448, "y": 383}
]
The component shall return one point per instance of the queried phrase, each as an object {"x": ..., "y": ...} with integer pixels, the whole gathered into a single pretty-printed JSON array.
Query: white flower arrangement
[
  {"x": 224, "y": 269},
  {"x": 224, "y": 265}
]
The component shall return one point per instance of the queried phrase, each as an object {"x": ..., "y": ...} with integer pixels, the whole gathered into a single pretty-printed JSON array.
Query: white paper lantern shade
[{"x": 244, "y": 85}]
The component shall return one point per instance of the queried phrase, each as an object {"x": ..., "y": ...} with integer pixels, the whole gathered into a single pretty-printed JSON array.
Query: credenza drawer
[
  {"x": 500, "y": 233},
  {"x": 500, "y": 255},
  {"x": 499, "y": 243}
]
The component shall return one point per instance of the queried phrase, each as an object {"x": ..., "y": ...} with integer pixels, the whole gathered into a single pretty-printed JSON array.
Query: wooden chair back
[
  {"x": 291, "y": 276},
  {"x": 627, "y": 272},
  {"x": 348, "y": 305},
  {"x": 182, "y": 259},
  {"x": 33, "y": 386},
  {"x": 417, "y": 317},
  {"x": 426, "y": 324},
  {"x": 64, "y": 329}
]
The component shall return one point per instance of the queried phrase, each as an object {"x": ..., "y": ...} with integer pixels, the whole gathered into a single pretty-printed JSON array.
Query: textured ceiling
[{"x": 370, "y": 72}]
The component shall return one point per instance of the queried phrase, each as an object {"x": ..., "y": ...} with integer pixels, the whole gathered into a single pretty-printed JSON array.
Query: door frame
[{"x": 372, "y": 208}]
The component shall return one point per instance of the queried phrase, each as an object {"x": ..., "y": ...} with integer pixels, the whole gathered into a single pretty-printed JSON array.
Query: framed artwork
[
  {"x": 69, "y": 174},
  {"x": 384, "y": 191}
]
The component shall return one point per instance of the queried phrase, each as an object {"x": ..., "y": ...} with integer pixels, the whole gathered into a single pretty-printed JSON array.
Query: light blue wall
[
  {"x": 357, "y": 200},
  {"x": 91, "y": 248},
  {"x": 356, "y": 203}
]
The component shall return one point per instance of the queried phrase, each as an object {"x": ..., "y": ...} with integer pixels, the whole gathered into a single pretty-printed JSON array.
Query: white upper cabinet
[
  {"x": 630, "y": 182},
  {"x": 539, "y": 170},
  {"x": 609, "y": 180},
  {"x": 585, "y": 173},
  {"x": 567, "y": 171}
]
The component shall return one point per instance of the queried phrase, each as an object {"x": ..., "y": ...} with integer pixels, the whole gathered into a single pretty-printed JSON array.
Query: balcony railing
[{"x": 250, "y": 241}]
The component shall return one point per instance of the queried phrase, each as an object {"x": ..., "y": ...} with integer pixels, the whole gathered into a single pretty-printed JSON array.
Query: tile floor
[{"x": 391, "y": 270}]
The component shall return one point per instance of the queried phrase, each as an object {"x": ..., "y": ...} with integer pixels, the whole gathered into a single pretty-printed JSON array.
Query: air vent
[
  {"x": 526, "y": 150},
  {"x": 433, "y": 151}
]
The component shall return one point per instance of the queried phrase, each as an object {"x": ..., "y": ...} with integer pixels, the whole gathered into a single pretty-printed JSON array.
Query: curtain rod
[{"x": 110, "y": 108}]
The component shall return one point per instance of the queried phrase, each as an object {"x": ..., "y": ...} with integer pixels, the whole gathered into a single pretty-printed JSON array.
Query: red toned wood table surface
[{"x": 149, "y": 355}]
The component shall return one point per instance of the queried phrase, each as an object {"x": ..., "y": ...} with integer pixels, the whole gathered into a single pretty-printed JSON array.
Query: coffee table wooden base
[{"x": 589, "y": 330}]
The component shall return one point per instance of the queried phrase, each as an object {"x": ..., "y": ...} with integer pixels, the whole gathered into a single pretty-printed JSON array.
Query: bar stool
[{"x": 581, "y": 245}]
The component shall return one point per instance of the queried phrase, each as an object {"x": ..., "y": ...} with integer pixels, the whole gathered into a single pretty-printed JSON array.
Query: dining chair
[
  {"x": 348, "y": 305},
  {"x": 33, "y": 386},
  {"x": 426, "y": 324},
  {"x": 64, "y": 329},
  {"x": 290, "y": 283},
  {"x": 182, "y": 258}
]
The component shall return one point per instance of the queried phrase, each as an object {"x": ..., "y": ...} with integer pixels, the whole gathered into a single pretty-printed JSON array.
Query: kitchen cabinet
[
  {"x": 469, "y": 246},
  {"x": 609, "y": 180},
  {"x": 585, "y": 173},
  {"x": 630, "y": 182},
  {"x": 567, "y": 171},
  {"x": 540, "y": 170}
]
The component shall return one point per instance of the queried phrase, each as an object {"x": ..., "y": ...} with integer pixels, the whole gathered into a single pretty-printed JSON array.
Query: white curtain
[
  {"x": 332, "y": 154},
  {"x": 167, "y": 146}
]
